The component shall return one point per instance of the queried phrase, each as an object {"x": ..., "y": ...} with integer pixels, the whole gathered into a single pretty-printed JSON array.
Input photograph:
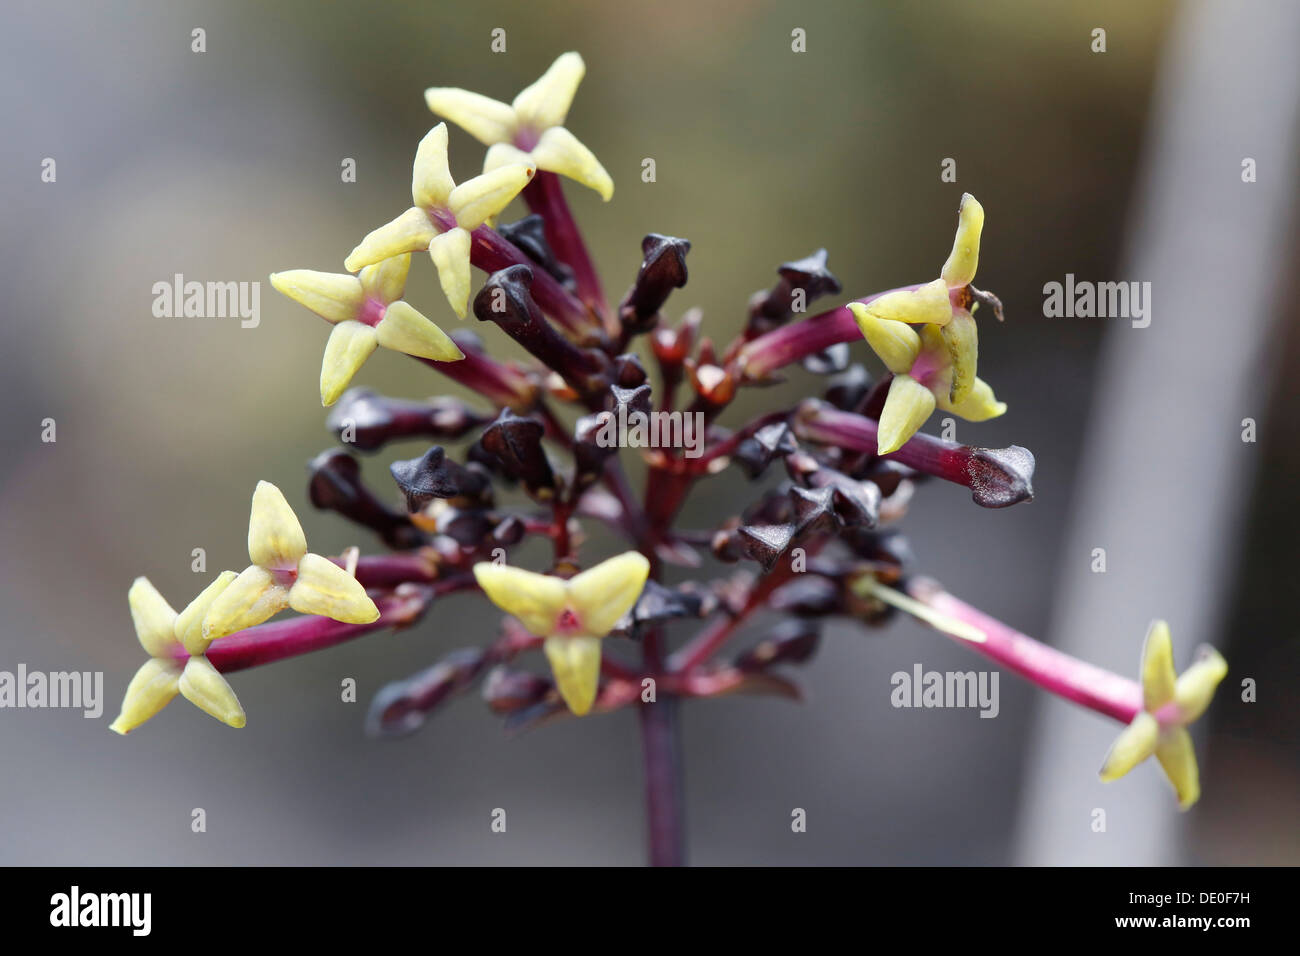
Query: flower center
[{"x": 372, "y": 311}]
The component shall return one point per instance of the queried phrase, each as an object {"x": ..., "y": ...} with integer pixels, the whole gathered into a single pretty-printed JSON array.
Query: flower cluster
[{"x": 822, "y": 541}]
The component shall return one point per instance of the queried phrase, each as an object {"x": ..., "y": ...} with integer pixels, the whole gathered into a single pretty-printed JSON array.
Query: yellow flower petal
[
  {"x": 1196, "y": 685},
  {"x": 895, "y": 342},
  {"x": 546, "y": 102},
  {"x": 275, "y": 538},
  {"x": 505, "y": 154},
  {"x": 535, "y": 599},
  {"x": 349, "y": 345},
  {"x": 558, "y": 151},
  {"x": 1134, "y": 744},
  {"x": 964, "y": 259},
  {"x": 153, "y": 617},
  {"x": 487, "y": 120},
  {"x": 575, "y": 663},
  {"x": 150, "y": 690},
  {"x": 450, "y": 254},
  {"x": 431, "y": 181},
  {"x": 603, "y": 594},
  {"x": 206, "y": 689},
  {"x": 386, "y": 280},
  {"x": 979, "y": 406},
  {"x": 334, "y": 296},
  {"x": 189, "y": 623},
  {"x": 412, "y": 231},
  {"x": 487, "y": 194},
  {"x": 1178, "y": 759},
  {"x": 325, "y": 588},
  {"x": 961, "y": 339},
  {"x": 250, "y": 599},
  {"x": 929, "y": 304},
  {"x": 405, "y": 330},
  {"x": 1158, "y": 675},
  {"x": 907, "y": 406}
]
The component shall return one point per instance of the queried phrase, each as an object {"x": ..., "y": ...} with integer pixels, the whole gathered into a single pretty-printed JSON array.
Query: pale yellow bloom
[
  {"x": 284, "y": 574},
  {"x": 935, "y": 367},
  {"x": 1169, "y": 703},
  {"x": 572, "y": 615},
  {"x": 167, "y": 636},
  {"x": 531, "y": 129},
  {"x": 443, "y": 216},
  {"x": 367, "y": 311}
]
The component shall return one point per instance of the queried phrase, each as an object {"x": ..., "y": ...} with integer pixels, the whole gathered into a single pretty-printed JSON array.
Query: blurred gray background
[{"x": 225, "y": 165}]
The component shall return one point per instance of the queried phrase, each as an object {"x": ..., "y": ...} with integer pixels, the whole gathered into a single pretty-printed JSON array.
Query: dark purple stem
[
  {"x": 661, "y": 753},
  {"x": 497, "y": 382},
  {"x": 997, "y": 477},
  {"x": 545, "y": 196},
  {"x": 790, "y": 343}
]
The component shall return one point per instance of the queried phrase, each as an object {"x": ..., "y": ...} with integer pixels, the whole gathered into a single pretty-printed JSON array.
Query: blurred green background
[{"x": 225, "y": 165}]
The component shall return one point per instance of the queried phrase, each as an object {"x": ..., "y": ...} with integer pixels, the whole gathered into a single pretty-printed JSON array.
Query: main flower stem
[{"x": 661, "y": 755}]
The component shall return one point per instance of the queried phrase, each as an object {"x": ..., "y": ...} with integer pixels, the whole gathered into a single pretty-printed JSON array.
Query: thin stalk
[
  {"x": 1054, "y": 671},
  {"x": 545, "y": 196}
]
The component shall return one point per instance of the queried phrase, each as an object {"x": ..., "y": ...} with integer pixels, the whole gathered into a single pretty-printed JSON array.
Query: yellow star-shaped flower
[
  {"x": 443, "y": 216},
  {"x": 531, "y": 129},
  {"x": 572, "y": 615},
  {"x": 935, "y": 367},
  {"x": 1169, "y": 704},
  {"x": 284, "y": 574},
  {"x": 162, "y": 633},
  {"x": 367, "y": 311}
]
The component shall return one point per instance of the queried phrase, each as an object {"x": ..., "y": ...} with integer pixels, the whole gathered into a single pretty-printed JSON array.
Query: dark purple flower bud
[
  {"x": 367, "y": 421},
  {"x": 529, "y": 236},
  {"x": 856, "y": 502},
  {"x": 628, "y": 370},
  {"x": 790, "y": 642},
  {"x": 658, "y": 603},
  {"x": 516, "y": 444},
  {"x": 506, "y": 690},
  {"x": 849, "y": 387},
  {"x": 434, "y": 475},
  {"x": 767, "y": 543},
  {"x": 336, "y": 485},
  {"x": 663, "y": 268},
  {"x": 507, "y": 300},
  {"x": 767, "y": 444},
  {"x": 1001, "y": 477},
  {"x": 814, "y": 509},
  {"x": 589, "y": 453},
  {"x": 800, "y": 283},
  {"x": 401, "y": 708},
  {"x": 625, "y": 401}
]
